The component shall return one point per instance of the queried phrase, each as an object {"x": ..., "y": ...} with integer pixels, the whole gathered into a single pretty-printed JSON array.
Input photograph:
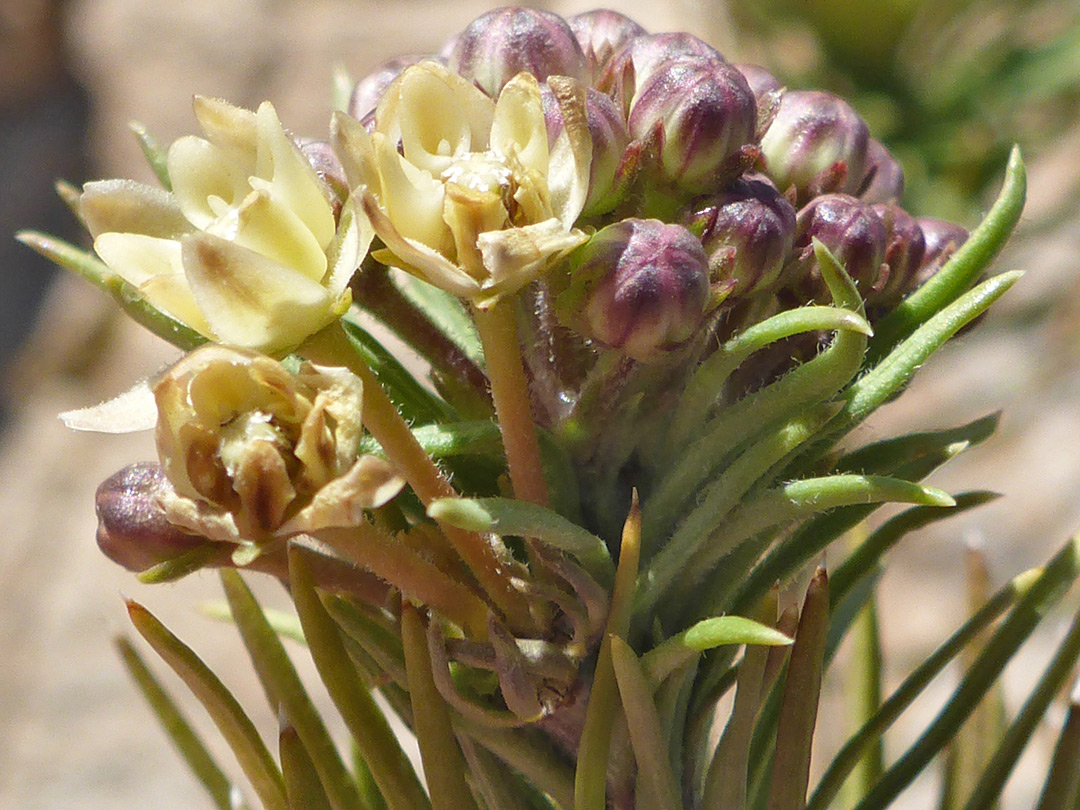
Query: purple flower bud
[
  {"x": 852, "y": 231},
  {"x": 602, "y": 33},
  {"x": 759, "y": 79},
  {"x": 368, "y": 92},
  {"x": 747, "y": 232},
  {"x": 642, "y": 287},
  {"x": 132, "y": 528},
  {"x": 698, "y": 115},
  {"x": 942, "y": 241},
  {"x": 817, "y": 143},
  {"x": 610, "y": 137},
  {"x": 904, "y": 251},
  {"x": 884, "y": 180},
  {"x": 632, "y": 67},
  {"x": 498, "y": 45}
]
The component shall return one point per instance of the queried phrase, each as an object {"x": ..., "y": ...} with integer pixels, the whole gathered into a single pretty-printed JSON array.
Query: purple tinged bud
[
  {"x": 759, "y": 79},
  {"x": 642, "y": 56},
  {"x": 602, "y": 33},
  {"x": 855, "y": 235},
  {"x": 132, "y": 528},
  {"x": 905, "y": 246},
  {"x": 642, "y": 288},
  {"x": 498, "y": 45},
  {"x": 817, "y": 143},
  {"x": 610, "y": 137},
  {"x": 368, "y": 92},
  {"x": 884, "y": 180},
  {"x": 942, "y": 240},
  {"x": 748, "y": 232},
  {"x": 699, "y": 116}
]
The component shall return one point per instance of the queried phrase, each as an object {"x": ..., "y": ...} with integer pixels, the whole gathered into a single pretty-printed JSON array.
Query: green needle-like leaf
[
  {"x": 707, "y": 634},
  {"x": 989, "y": 786},
  {"x": 646, "y": 734},
  {"x": 1047, "y": 590},
  {"x": 90, "y": 267},
  {"x": 287, "y": 694},
  {"x": 235, "y": 726},
  {"x": 375, "y": 739},
  {"x": 958, "y": 274},
  {"x": 302, "y": 783},
  {"x": 884, "y": 457},
  {"x": 446, "y": 312},
  {"x": 519, "y": 518},
  {"x": 187, "y": 742},
  {"x": 179, "y": 566},
  {"x": 156, "y": 155},
  {"x": 1062, "y": 788},
  {"x": 444, "y": 765}
]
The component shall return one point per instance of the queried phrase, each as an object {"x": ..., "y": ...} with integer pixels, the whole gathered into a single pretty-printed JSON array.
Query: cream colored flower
[
  {"x": 255, "y": 452},
  {"x": 245, "y": 249},
  {"x": 466, "y": 192}
]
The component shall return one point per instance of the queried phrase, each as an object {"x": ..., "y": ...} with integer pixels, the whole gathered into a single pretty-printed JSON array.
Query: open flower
[
  {"x": 254, "y": 452},
  {"x": 245, "y": 249},
  {"x": 466, "y": 192}
]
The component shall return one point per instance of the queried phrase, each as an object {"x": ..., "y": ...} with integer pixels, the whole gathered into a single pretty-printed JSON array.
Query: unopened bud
[
  {"x": 602, "y": 33},
  {"x": 132, "y": 528},
  {"x": 817, "y": 144},
  {"x": 641, "y": 287},
  {"x": 905, "y": 246},
  {"x": 855, "y": 235},
  {"x": 642, "y": 56},
  {"x": 610, "y": 137},
  {"x": 942, "y": 240},
  {"x": 884, "y": 180},
  {"x": 498, "y": 45},
  {"x": 759, "y": 79},
  {"x": 747, "y": 232},
  {"x": 700, "y": 117}
]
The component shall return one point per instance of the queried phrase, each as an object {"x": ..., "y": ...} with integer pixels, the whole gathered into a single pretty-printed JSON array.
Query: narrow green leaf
[
  {"x": 89, "y": 267},
  {"x": 646, "y": 735},
  {"x": 341, "y": 88},
  {"x": 1062, "y": 788},
  {"x": 864, "y": 694},
  {"x": 989, "y": 787},
  {"x": 707, "y": 634},
  {"x": 365, "y": 783},
  {"x": 379, "y": 747},
  {"x": 530, "y": 753},
  {"x": 494, "y": 783},
  {"x": 885, "y": 456},
  {"x": 511, "y": 517},
  {"x": 966, "y": 265},
  {"x": 287, "y": 694},
  {"x": 70, "y": 195},
  {"x": 904, "y": 695},
  {"x": 302, "y": 783},
  {"x": 590, "y": 778},
  {"x": 449, "y": 440},
  {"x": 1048, "y": 589},
  {"x": 444, "y": 765},
  {"x": 707, "y": 382},
  {"x": 155, "y": 153},
  {"x": 285, "y": 624},
  {"x": 187, "y": 742},
  {"x": 799, "y": 704},
  {"x": 446, "y": 312},
  {"x": 415, "y": 402},
  {"x": 374, "y": 636},
  {"x": 179, "y": 566},
  {"x": 235, "y": 726}
]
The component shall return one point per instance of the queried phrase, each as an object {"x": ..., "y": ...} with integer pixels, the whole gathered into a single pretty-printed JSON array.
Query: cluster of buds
[{"x": 599, "y": 209}]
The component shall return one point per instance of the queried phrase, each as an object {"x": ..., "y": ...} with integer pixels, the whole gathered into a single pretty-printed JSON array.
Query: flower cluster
[{"x": 654, "y": 289}]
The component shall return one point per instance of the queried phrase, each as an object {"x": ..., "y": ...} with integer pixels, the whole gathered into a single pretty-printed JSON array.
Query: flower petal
[
  {"x": 228, "y": 127},
  {"x": 129, "y": 412},
  {"x": 370, "y": 483},
  {"x": 295, "y": 184},
  {"x": 571, "y": 154},
  {"x": 412, "y": 198},
  {"x": 205, "y": 179},
  {"x": 252, "y": 301},
  {"x": 516, "y": 256},
  {"x": 354, "y": 236},
  {"x": 154, "y": 267},
  {"x": 518, "y": 127},
  {"x": 354, "y": 149},
  {"x": 126, "y": 206}
]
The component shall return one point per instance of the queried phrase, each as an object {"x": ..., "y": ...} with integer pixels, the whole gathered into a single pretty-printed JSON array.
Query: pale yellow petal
[
  {"x": 228, "y": 127},
  {"x": 518, "y": 128},
  {"x": 354, "y": 149},
  {"x": 262, "y": 224},
  {"x": 431, "y": 121},
  {"x": 250, "y": 300},
  {"x": 205, "y": 180},
  {"x": 126, "y": 206},
  {"x": 294, "y": 182},
  {"x": 517, "y": 256},
  {"x": 370, "y": 483},
  {"x": 412, "y": 198},
  {"x": 354, "y": 236},
  {"x": 154, "y": 267},
  {"x": 571, "y": 154}
]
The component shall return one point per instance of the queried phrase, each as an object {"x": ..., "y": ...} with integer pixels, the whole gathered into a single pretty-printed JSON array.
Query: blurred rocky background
[{"x": 72, "y": 74}]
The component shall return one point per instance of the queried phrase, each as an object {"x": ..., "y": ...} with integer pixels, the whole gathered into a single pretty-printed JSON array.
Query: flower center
[{"x": 479, "y": 171}]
